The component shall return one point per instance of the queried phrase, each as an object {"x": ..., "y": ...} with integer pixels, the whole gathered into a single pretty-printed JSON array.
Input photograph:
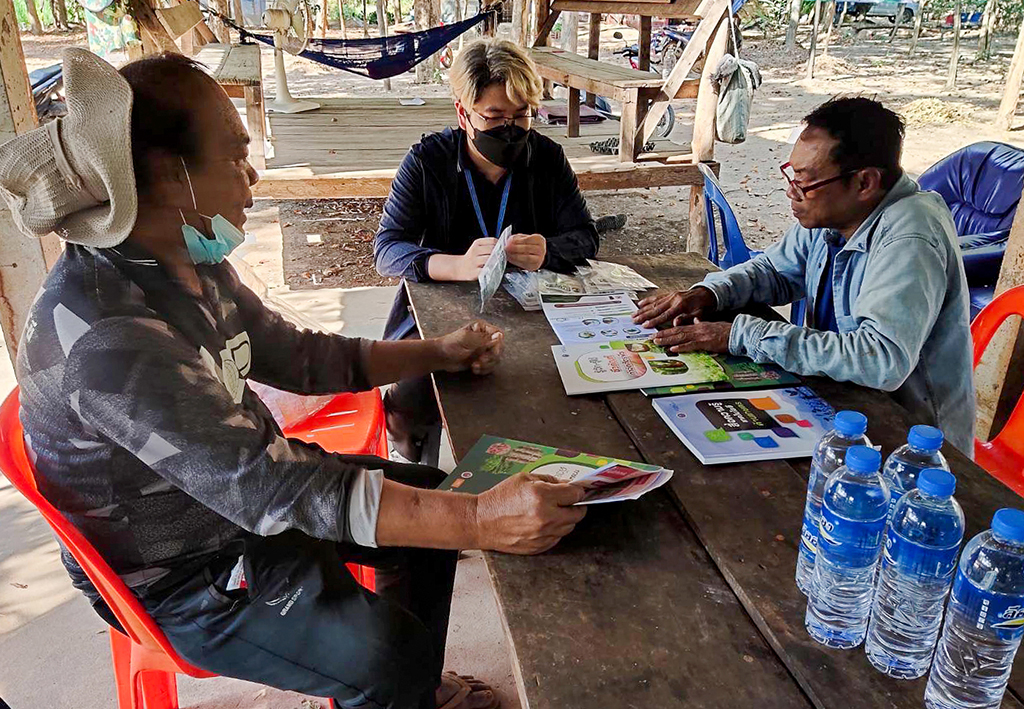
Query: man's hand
[
  {"x": 527, "y": 251},
  {"x": 527, "y": 514},
  {"x": 472, "y": 262},
  {"x": 679, "y": 308},
  {"x": 699, "y": 337},
  {"x": 476, "y": 347}
]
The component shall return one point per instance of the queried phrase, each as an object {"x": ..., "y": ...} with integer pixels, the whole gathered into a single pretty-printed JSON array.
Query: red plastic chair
[
  {"x": 1003, "y": 456},
  {"x": 145, "y": 664}
]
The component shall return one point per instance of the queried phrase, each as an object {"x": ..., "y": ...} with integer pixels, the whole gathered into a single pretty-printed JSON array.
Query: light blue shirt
[{"x": 901, "y": 304}]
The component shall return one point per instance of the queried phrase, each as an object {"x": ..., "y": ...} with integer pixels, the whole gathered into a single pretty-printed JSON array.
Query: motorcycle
[{"x": 632, "y": 52}]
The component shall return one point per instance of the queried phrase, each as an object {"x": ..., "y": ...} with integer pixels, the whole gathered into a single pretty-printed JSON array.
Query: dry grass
[{"x": 930, "y": 111}]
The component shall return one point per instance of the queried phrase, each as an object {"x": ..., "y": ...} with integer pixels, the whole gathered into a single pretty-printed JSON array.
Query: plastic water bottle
[
  {"x": 829, "y": 454},
  {"x": 920, "y": 452},
  {"x": 854, "y": 509},
  {"x": 921, "y": 545},
  {"x": 984, "y": 620}
]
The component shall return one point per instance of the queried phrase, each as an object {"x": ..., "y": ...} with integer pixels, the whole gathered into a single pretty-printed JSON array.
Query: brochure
[
  {"x": 750, "y": 425},
  {"x": 639, "y": 364},
  {"x": 494, "y": 268},
  {"x": 593, "y": 318},
  {"x": 493, "y": 459},
  {"x": 741, "y": 373}
]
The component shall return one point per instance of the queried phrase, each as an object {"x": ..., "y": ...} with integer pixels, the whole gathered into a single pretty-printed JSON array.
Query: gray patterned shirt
[{"x": 144, "y": 433}]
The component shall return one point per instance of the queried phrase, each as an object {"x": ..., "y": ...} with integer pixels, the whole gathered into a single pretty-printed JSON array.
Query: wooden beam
[
  {"x": 594, "y": 49},
  {"x": 296, "y": 183},
  {"x": 997, "y": 377},
  {"x": 703, "y": 143},
  {"x": 572, "y": 120},
  {"x": 154, "y": 36},
  {"x": 179, "y": 19},
  {"x": 545, "y": 29},
  {"x": 23, "y": 260},
  {"x": 1011, "y": 92},
  {"x": 540, "y": 17},
  {"x": 674, "y": 10},
  {"x": 644, "y": 60},
  {"x": 697, "y": 45}
]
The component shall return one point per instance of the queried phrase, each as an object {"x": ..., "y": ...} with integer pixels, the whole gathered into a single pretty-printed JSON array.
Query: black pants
[{"x": 304, "y": 624}]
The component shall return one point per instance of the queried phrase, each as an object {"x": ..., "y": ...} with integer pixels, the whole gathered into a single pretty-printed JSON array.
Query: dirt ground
[{"x": 866, "y": 64}]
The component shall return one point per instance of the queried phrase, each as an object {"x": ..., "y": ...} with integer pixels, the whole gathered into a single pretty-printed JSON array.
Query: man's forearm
[
  {"x": 391, "y": 361},
  {"x": 444, "y": 267},
  {"x": 410, "y": 516}
]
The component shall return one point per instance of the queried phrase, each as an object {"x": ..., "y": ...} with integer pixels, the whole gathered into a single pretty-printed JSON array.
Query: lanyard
[{"x": 476, "y": 204}]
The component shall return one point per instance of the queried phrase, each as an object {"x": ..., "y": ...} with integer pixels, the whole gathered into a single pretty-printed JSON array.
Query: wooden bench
[{"x": 236, "y": 67}]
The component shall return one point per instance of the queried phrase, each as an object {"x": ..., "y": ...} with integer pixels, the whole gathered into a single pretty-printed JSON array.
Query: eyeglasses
[
  {"x": 522, "y": 120},
  {"x": 801, "y": 190}
]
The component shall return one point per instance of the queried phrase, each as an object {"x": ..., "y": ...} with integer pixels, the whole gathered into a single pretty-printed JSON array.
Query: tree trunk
[
  {"x": 1011, "y": 92},
  {"x": 830, "y": 18},
  {"x": 814, "y": 38},
  {"x": 954, "y": 60},
  {"x": 433, "y": 18},
  {"x": 518, "y": 31},
  {"x": 60, "y": 14},
  {"x": 382, "y": 27},
  {"x": 988, "y": 21},
  {"x": 35, "y": 26},
  {"x": 918, "y": 19},
  {"x": 366, "y": 21},
  {"x": 794, "y": 20},
  {"x": 898, "y": 23},
  {"x": 420, "y": 22}
]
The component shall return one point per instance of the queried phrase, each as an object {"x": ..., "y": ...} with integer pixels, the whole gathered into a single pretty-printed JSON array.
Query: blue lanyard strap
[{"x": 476, "y": 204}]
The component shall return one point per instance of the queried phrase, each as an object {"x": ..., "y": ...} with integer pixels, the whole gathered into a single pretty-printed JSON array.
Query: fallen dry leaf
[{"x": 19, "y": 585}]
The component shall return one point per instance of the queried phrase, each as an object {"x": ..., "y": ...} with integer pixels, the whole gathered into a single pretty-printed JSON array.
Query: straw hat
[{"x": 74, "y": 175}]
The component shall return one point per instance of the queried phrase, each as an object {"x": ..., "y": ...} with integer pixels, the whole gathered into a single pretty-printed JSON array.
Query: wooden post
[
  {"x": 23, "y": 260},
  {"x": 236, "y": 11},
  {"x": 899, "y": 21},
  {"x": 540, "y": 8},
  {"x": 830, "y": 18},
  {"x": 366, "y": 31},
  {"x": 34, "y": 25},
  {"x": 998, "y": 377},
  {"x": 1011, "y": 92},
  {"x": 988, "y": 20},
  {"x": 571, "y": 32},
  {"x": 594, "y": 49},
  {"x": 954, "y": 60},
  {"x": 154, "y": 36},
  {"x": 219, "y": 28},
  {"x": 814, "y": 39},
  {"x": 918, "y": 20},
  {"x": 382, "y": 27},
  {"x": 572, "y": 120},
  {"x": 703, "y": 143},
  {"x": 341, "y": 17},
  {"x": 644, "y": 60},
  {"x": 794, "y": 21},
  {"x": 518, "y": 31}
]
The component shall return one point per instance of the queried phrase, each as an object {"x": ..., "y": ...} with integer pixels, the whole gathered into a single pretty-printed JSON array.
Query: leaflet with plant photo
[
  {"x": 621, "y": 366},
  {"x": 740, "y": 372},
  {"x": 494, "y": 459},
  {"x": 593, "y": 318},
  {"x": 494, "y": 268}
]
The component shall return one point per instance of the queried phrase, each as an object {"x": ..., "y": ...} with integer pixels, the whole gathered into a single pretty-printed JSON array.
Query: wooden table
[
  {"x": 236, "y": 67},
  {"x": 685, "y": 598}
]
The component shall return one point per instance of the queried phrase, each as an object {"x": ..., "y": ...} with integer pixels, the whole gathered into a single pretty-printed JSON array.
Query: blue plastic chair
[{"x": 736, "y": 250}]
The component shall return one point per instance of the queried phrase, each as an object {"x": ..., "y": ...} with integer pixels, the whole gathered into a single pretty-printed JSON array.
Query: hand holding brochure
[{"x": 494, "y": 459}]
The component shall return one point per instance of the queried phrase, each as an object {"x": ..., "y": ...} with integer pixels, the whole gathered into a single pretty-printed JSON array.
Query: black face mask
[{"x": 501, "y": 146}]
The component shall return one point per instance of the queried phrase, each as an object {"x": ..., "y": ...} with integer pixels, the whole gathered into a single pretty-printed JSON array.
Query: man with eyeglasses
[
  {"x": 458, "y": 189},
  {"x": 878, "y": 263}
]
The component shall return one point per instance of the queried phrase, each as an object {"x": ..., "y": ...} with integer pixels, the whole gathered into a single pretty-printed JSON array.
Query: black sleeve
[{"x": 396, "y": 248}]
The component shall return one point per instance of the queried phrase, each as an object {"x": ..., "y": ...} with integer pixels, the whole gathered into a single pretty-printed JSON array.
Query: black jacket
[{"x": 425, "y": 194}]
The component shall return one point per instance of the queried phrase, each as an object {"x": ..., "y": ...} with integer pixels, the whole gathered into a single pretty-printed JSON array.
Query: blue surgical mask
[
  {"x": 203, "y": 251},
  {"x": 226, "y": 236}
]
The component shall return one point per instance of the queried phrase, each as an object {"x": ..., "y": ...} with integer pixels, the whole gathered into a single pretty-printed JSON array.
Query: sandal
[{"x": 468, "y": 685}]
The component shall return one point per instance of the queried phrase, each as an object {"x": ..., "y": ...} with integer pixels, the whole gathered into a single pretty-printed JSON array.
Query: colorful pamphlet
[
  {"x": 494, "y": 459},
  {"x": 640, "y": 364},
  {"x": 494, "y": 268},
  {"x": 740, "y": 372},
  {"x": 751, "y": 425},
  {"x": 593, "y": 318}
]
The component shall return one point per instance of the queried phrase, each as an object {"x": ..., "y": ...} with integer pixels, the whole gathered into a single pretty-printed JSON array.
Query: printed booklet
[
  {"x": 740, "y": 372},
  {"x": 593, "y": 318},
  {"x": 493, "y": 459},
  {"x": 750, "y": 425},
  {"x": 620, "y": 366}
]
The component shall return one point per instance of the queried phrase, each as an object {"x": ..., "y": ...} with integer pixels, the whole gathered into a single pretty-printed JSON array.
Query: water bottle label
[
  {"x": 995, "y": 612},
  {"x": 918, "y": 560},
  {"x": 852, "y": 543},
  {"x": 809, "y": 535}
]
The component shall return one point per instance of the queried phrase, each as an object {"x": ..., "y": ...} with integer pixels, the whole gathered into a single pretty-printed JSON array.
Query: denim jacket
[{"x": 901, "y": 303}]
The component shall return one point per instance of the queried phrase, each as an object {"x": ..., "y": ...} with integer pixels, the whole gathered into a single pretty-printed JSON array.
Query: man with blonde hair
[{"x": 458, "y": 189}]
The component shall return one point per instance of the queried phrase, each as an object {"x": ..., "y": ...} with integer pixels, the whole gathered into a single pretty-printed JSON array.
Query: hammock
[{"x": 376, "y": 57}]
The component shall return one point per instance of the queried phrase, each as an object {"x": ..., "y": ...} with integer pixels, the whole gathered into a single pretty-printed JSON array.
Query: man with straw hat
[{"x": 133, "y": 370}]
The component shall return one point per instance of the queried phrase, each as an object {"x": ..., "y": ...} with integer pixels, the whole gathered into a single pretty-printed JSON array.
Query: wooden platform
[{"x": 351, "y": 147}]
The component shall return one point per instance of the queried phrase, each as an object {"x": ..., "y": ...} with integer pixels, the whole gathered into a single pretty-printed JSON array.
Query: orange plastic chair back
[
  {"x": 351, "y": 423},
  {"x": 1003, "y": 456}
]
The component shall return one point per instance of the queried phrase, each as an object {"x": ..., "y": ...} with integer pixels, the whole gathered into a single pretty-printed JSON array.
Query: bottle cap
[
  {"x": 862, "y": 459},
  {"x": 937, "y": 482},
  {"x": 926, "y": 438},
  {"x": 1008, "y": 523},
  {"x": 851, "y": 423}
]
